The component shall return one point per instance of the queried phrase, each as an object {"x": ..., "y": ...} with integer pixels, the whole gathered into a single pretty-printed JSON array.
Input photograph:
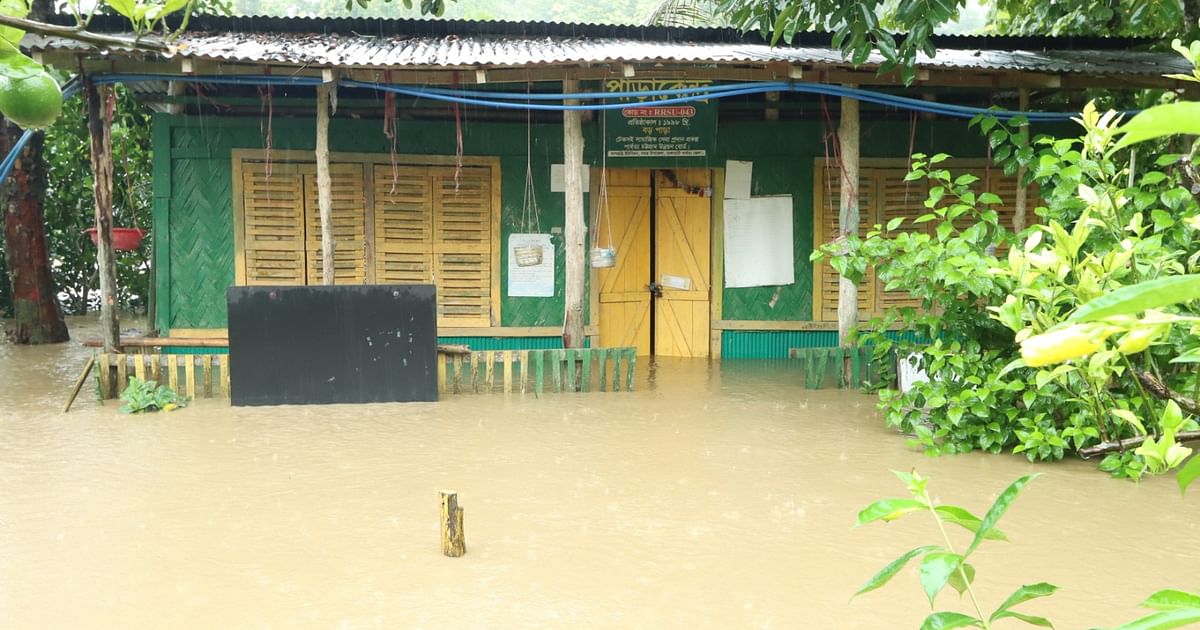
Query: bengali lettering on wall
[{"x": 654, "y": 127}]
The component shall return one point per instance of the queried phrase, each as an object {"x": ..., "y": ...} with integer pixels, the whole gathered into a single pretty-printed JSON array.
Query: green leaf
[
  {"x": 966, "y": 520},
  {"x": 1136, "y": 298},
  {"x": 936, "y": 568},
  {"x": 1029, "y": 619},
  {"x": 888, "y": 510},
  {"x": 1131, "y": 418},
  {"x": 126, "y": 8},
  {"x": 1182, "y": 117},
  {"x": 1164, "y": 620},
  {"x": 1023, "y": 594},
  {"x": 1014, "y": 364},
  {"x": 949, "y": 621},
  {"x": 1188, "y": 473},
  {"x": 1171, "y": 599},
  {"x": 999, "y": 507},
  {"x": 15, "y": 65},
  {"x": 957, "y": 582},
  {"x": 890, "y": 571},
  {"x": 1191, "y": 356},
  {"x": 13, "y": 8},
  {"x": 895, "y": 223}
]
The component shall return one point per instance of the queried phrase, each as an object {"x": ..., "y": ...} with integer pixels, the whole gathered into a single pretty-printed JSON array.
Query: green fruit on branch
[{"x": 32, "y": 102}]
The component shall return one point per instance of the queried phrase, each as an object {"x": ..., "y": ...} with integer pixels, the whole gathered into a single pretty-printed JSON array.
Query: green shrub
[{"x": 142, "y": 396}]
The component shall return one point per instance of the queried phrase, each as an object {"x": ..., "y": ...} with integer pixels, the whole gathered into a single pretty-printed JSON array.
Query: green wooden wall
[
  {"x": 193, "y": 205},
  {"x": 193, "y": 199}
]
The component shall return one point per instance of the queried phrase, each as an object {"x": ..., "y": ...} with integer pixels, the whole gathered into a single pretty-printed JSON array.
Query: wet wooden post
[
  {"x": 848, "y": 214},
  {"x": 324, "y": 184},
  {"x": 87, "y": 369},
  {"x": 100, "y": 130},
  {"x": 454, "y": 543},
  {"x": 1020, "y": 202},
  {"x": 573, "y": 230}
]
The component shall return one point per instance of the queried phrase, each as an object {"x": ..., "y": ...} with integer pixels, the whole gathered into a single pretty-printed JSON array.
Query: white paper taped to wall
[
  {"x": 530, "y": 265},
  {"x": 558, "y": 177},
  {"x": 737, "y": 179},
  {"x": 759, "y": 248}
]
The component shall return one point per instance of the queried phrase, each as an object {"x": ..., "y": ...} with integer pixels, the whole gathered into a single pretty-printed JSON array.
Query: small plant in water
[
  {"x": 941, "y": 564},
  {"x": 141, "y": 396}
]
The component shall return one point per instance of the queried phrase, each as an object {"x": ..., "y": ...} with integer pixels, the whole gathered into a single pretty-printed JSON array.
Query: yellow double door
[{"x": 656, "y": 296}]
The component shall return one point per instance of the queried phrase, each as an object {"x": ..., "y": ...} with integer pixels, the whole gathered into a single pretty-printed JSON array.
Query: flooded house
[{"x": 711, "y": 166}]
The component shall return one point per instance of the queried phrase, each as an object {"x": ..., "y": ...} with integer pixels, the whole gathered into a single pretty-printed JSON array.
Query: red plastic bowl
[{"x": 124, "y": 239}]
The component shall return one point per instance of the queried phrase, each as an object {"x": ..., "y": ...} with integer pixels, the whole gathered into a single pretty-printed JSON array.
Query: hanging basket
[
  {"x": 528, "y": 255},
  {"x": 124, "y": 239},
  {"x": 604, "y": 257}
]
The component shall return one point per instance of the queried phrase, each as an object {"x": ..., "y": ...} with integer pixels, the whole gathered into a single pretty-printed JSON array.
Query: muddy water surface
[{"x": 715, "y": 496}]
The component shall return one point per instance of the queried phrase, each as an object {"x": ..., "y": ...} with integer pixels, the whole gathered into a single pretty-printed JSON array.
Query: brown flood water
[{"x": 716, "y": 496}]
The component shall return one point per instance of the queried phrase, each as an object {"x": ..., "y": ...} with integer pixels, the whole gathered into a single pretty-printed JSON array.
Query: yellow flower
[
  {"x": 1138, "y": 339},
  {"x": 1061, "y": 345}
]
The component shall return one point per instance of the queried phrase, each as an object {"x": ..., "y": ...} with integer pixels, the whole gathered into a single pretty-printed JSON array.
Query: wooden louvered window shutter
[
  {"x": 900, "y": 199},
  {"x": 349, "y": 224},
  {"x": 825, "y": 229},
  {"x": 462, "y": 245},
  {"x": 403, "y": 225},
  {"x": 273, "y": 224},
  {"x": 883, "y": 196}
]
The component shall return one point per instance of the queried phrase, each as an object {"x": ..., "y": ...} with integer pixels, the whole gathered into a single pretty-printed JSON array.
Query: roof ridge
[{"x": 351, "y": 25}]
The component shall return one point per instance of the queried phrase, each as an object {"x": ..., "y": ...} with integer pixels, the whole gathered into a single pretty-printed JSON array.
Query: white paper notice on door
[
  {"x": 530, "y": 265},
  {"x": 758, "y": 242}
]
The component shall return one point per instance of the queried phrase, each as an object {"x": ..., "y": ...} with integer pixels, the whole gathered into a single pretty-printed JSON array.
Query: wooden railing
[
  {"x": 535, "y": 371},
  {"x": 508, "y": 371},
  {"x": 823, "y": 364},
  {"x": 193, "y": 375}
]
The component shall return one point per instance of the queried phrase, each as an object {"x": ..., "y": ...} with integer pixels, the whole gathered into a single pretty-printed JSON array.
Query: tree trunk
[
  {"x": 100, "y": 130},
  {"x": 1022, "y": 195},
  {"x": 573, "y": 231},
  {"x": 1191, "y": 15},
  {"x": 848, "y": 213},
  {"x": 324, "y": 185},
  {"x": 37, "y": 315}
]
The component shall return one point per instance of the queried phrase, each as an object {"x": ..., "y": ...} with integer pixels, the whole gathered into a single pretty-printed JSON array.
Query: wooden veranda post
[
  {"x": 100, "y": 130},
  {"x": 574, "y": 230},
  {"x": 848, "y": 214},
  {"x": 324, "y": 184},
  {"x": 1021, "y": 201}
]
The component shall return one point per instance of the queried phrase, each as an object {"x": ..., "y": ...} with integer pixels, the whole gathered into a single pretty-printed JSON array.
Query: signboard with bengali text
[{"x": 646, "y": 129}]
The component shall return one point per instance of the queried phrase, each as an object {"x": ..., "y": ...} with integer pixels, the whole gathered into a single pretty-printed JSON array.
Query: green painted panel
[
  {"x": 182, "y": 350},
  {"x": 774, "y": 344},
  {"x": 505, "y": 343},
  {"x": 201, "y": 242}
]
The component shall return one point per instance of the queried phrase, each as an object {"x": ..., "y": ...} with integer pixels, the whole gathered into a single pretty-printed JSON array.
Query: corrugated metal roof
[{"x": 383, "y": 44}]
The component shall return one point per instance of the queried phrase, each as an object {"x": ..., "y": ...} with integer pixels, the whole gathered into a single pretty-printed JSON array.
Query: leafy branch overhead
[
  {"x": 30, "y": 96},
  {"x": 900, "y": 30}
]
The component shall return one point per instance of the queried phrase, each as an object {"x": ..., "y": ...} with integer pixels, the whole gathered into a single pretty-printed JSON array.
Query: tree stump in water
[{"x": 454, "y": 544}]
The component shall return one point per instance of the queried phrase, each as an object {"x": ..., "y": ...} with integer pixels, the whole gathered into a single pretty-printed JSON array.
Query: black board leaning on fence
[{"x": 332, "y": 344}]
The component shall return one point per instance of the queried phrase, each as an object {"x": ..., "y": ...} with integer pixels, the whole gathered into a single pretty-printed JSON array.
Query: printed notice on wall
[
  {"x": 644, "y": 129},
  {"x": 758, "y": 242},
  {"x": 530, "y": 265}
]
